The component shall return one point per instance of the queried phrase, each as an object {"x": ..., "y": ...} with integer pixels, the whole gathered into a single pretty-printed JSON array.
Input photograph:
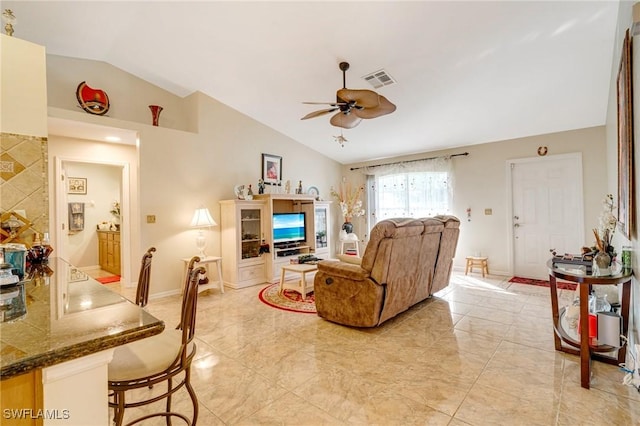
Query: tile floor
[{"x": 480, "y": 353}]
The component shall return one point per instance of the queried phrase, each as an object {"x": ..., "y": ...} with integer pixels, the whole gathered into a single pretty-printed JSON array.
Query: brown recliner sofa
[{"x": 406, "y": 261}]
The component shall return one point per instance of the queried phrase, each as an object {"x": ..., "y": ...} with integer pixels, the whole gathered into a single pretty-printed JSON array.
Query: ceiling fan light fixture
[
  {"x": 340, "y": 139},
  {"x": 354, "y": 104}
]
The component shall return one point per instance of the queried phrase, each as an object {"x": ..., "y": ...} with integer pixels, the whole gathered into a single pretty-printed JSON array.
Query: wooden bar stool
[{"x": 482, "y": 262}]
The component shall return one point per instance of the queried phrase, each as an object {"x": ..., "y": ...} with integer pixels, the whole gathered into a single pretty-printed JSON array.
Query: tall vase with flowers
[
  {"x": 350, "y": 204},
  {"x": 607, "y": 224}
]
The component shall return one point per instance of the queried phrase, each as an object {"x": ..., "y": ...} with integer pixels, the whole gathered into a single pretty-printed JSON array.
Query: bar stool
[{"x": 482, "y": 262}]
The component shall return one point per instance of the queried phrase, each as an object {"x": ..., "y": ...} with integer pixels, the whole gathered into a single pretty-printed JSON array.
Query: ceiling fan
[{"x": 352, "y": 105}]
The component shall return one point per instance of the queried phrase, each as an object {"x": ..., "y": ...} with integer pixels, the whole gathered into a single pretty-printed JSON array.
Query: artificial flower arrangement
[
  {"x": 607, "y": 224},
  {"x": 349, "y": 200},
  {"x": 115, "y": 209}
]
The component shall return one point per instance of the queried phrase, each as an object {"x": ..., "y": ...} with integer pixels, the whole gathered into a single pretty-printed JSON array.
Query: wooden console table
[{"x": 584, "y": 347}]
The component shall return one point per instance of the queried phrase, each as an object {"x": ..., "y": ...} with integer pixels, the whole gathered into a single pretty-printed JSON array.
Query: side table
[
  {"x": 587, "y": 349},
  {"x": 206, "y": 262},
  {"x": 354, "y": 244}
]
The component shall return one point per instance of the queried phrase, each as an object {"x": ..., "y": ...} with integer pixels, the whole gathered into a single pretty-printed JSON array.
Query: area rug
[
  {"x": 289, "y": 300},
  {"x": 544, "y": 283},
  {"x": 108, "y": 280}
]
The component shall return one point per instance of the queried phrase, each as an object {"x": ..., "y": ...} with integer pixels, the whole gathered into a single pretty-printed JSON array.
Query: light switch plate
[
  {"x": 488, "y": 212},
  {"x": 151, "y": 218}
]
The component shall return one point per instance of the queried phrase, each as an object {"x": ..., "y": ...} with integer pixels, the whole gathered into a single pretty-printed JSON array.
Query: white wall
[
  {"x": 179, "y": 170},
  {"x": 480, "y": 182},
  {"x": 23, "y": 99}
]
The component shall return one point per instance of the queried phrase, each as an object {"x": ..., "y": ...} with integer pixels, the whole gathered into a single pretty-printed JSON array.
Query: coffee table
[{"x": 301, "y": 286}]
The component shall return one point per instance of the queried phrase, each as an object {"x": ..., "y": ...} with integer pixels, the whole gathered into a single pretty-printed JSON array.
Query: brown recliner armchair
[{"x": 406, "y": 261}]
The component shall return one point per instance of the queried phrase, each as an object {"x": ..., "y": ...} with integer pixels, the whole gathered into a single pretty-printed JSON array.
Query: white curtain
[{"x": 420, "y": 188}]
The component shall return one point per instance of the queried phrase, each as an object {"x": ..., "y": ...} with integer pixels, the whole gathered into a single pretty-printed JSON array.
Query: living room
[{"x": 203, "y": 149}]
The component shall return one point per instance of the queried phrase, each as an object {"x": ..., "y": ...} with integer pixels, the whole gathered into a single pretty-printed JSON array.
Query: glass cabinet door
[
  {"x": 250, "y": 232},
  {"x": 321, "y": 226}
]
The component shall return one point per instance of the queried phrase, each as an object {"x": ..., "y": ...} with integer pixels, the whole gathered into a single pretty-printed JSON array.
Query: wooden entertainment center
[{"x": 247, "y": 232}]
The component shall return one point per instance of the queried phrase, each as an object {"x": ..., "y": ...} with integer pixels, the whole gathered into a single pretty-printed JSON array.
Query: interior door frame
[
  {"x": 125, "y": 207},
  {"x": 577, "y": 157}
]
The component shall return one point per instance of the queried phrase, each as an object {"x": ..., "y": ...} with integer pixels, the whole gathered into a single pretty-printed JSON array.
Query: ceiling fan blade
[
  {"x": 384, "y": 107},
  {"x": 319, "y": 113},
  {"x": 362, "y": 97},
  {"x": 346, "y": 121},
  {"x": 325, "y": 103}
]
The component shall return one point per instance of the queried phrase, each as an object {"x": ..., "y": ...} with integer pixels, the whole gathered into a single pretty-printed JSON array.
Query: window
[
  {"x": 414, "y": 188},
  {"x": 416, "y": 194}
]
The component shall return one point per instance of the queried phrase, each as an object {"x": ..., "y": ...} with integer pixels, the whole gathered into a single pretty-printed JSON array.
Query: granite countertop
[{"x": 68, "y": 315}]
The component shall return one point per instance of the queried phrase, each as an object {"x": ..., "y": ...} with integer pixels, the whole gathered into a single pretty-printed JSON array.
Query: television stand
[{"x": 291, "y": 251}]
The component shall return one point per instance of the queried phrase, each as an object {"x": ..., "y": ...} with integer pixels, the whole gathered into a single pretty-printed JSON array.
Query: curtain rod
[{"x": 412, "y": 161}]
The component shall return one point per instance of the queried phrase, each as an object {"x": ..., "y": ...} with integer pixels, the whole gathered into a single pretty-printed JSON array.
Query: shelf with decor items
[
  {"x": 242, "y": 224},
  {"x": 312, "y": 236}
]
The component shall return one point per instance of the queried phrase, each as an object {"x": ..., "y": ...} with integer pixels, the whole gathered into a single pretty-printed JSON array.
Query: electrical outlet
[{"x": 151, "y": 218}]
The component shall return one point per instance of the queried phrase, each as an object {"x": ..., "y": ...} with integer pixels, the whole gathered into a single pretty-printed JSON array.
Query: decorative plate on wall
[
  {"x": 312, "y": 190},
  {"x": 94, "y": 101}
]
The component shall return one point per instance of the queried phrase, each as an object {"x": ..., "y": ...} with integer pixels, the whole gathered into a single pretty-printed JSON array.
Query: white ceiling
[{"x": 467, "y": 72}]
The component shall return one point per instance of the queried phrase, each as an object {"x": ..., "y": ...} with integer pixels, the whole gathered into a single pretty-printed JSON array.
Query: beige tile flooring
[{"x": 480, "y": 353}]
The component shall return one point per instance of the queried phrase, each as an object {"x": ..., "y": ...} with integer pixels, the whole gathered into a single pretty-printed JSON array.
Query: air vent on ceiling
[{"x": 379, "y": 78}]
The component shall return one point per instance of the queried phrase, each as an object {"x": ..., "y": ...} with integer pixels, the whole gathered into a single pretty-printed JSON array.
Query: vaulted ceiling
[{"x": 466, "y": 72}]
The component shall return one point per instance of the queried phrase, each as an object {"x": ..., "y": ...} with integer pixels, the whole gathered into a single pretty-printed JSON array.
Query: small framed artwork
[
  {"x": 77, "y": 275},
  {"x": 76, "y": 185},
  {"x": 271, "y": 169}
]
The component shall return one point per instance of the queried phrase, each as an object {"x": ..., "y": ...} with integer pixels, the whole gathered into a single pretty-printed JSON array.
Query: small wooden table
[
  {"x": 482, "y": 262},
  {"x": 300, "y": 268},
  {"x": 584, "y": 347},
  {"x": 206, "y": 261}
]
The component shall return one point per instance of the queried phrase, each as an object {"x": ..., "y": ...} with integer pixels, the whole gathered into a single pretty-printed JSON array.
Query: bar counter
[{"x": 68, "y": 315}]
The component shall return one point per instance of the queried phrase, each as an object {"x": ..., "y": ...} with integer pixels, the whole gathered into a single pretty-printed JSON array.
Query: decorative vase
[
  {"x": 155, "y": 113},
  {"x": 601, "y": 264},
  {"x": 347, "y": 227}
]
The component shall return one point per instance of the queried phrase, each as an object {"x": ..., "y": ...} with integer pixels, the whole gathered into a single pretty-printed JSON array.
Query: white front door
[{"x": 547, "y": 211}]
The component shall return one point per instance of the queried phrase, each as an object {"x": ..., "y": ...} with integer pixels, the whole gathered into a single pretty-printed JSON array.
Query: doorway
[
  {"x": 78, "y": 238},
  {"x": 546, "y": 203}
]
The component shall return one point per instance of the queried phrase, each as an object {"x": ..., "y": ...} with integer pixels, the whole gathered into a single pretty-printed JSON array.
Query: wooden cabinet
[
  {"x": 19, "y": 394},
  {"x": 242, "y": 235},
  {"x": 317, "y": 230},
  {"x": 109, "y": 251}
]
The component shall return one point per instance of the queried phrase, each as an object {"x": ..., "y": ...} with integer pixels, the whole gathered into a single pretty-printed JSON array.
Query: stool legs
[{"x": 482, "y": 263}]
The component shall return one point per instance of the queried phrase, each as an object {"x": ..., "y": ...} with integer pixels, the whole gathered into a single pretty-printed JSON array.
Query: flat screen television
[{"x": 288, "y": 227}]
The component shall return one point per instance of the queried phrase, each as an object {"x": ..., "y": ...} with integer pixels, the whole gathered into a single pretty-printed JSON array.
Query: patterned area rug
[
  {"x": 108, "y": 280},
  {"x": 290, "y": 300},
  {"x": 560, "y": 284}
]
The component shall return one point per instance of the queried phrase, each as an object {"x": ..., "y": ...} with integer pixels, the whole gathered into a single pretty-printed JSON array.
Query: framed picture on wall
[
  {"x": 76, "y": 185},
  {"x": 626, "y": 206},
  {"x": 271, "y": 169}
]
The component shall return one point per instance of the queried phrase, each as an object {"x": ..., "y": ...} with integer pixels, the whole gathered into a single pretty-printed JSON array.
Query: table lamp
[{"x": 202, "y": 219}]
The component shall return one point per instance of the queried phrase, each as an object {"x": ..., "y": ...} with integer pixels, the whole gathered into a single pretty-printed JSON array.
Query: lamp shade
[{"x": 202, "y": 218}]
